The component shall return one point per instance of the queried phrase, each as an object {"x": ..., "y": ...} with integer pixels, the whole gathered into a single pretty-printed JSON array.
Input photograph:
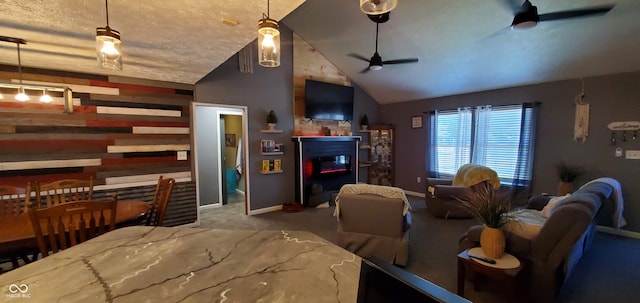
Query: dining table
[
  {"x": 188, "y": 264},
  {"x": 17, "y": 231}
]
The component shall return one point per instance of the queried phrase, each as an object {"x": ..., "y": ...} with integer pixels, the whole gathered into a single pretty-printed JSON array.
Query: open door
[{"x": 216, "y": 153}]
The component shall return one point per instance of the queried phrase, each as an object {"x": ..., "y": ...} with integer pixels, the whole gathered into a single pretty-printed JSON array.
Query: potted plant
[
  {"x": 364, "y": 122},
  {"x": 272, "y": 120},
  {"x": 492, "y": 208},
  {"x": 568, "y": 174}
]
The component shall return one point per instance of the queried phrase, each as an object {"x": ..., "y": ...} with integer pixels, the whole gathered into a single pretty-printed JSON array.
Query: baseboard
[
  {"x": 618, "y": 232},
  {"x": 265, "y": 210},
  {"x": 414, "y": 193}
]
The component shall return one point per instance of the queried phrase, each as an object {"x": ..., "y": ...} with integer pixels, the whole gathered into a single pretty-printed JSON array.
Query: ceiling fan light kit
[
  {"x": 268, "y": 41},
  {"x": 377, "y": 7},
  {"x": 108, "y": 46},
  {"x": 527, "y": 15}
]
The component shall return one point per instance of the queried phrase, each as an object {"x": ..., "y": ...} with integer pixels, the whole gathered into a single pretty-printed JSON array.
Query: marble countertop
[{"x": 180, "y": 264}]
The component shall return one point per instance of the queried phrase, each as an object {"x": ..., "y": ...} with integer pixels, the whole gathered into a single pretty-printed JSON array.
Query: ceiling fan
[
  {"x": 376, "y": 62},
  {"x": 526, "y": 16}
]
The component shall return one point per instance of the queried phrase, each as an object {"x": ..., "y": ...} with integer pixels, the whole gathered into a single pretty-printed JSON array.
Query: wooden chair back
[
  {"x": 158, "y": 210},
  {"x": 64, "y": 225},
  {"x": 62, "y": 191},
  {"x": 14, "y": 200}
]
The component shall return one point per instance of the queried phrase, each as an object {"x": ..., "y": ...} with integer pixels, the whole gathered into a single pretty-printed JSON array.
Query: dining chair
[
  {"x": 64, "y": 225},
  {"x": 158, "y": 210},
  {"x": 14, "y": 201},
  {"x": 62, "y": 191}
]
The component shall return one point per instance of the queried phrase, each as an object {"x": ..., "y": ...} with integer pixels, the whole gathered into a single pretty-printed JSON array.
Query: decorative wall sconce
[{"x": 268, "y": 41}]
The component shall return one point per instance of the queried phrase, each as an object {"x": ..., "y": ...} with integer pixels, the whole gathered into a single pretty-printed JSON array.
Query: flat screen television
[
  {"x": 328, "y": 101},
  {"x": 382, "y": 282}
]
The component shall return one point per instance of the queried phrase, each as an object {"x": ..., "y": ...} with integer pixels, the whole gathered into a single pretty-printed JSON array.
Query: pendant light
[
  {"x": 45, "y": 98},
  {"x": 377, "y": 7},
  {"x": 268, "y": 41},
  {"x": 21, "y": 96},
  {"x": 108, "y": 49}
]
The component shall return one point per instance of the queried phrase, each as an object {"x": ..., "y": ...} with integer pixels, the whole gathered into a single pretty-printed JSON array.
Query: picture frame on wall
[
  {"x": 416, "y": 122},
  {"x": 230, "y": 140}
]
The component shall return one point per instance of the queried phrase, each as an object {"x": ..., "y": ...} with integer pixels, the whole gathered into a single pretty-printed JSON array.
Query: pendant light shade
[
  {"x": 21, "y": 96},
  {"x": 108, "y": 42},
  {"x": 377, "y": 7},
  {"x": 268, "y": 41}
]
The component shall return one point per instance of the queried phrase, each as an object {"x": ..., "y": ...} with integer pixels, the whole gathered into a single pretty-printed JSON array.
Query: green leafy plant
[
  {"x": 271, "y": 117},
  {"x": 489, "y": 205},
  {"x": 568, "y": 172},
  {"x": 364, "y": 120}
]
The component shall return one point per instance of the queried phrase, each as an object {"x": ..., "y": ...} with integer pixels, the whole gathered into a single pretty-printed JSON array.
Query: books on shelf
[
  {"x": 271, "y": 166},
  {"x": 270, "y": 146}
]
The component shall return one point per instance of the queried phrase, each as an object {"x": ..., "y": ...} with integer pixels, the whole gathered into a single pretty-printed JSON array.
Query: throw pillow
[{"x": 554, "y": 202}]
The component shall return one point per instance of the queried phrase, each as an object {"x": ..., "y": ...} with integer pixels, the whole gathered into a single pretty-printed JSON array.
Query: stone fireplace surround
[{"x": 311, "y": 150}]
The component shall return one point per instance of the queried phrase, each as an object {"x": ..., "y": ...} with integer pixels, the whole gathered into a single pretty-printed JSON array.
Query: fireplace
[
  {"x": 327, "y": 161},
  {"x": 331, "y": 166}
]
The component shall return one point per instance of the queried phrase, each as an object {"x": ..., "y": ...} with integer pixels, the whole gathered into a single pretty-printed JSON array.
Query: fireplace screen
[{"x": 332, "y": 165}]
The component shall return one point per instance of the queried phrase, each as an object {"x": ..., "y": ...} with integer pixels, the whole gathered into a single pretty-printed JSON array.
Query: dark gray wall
[
  {"x": 264, "y": 90},
  {"x": 612, "y": 98}
]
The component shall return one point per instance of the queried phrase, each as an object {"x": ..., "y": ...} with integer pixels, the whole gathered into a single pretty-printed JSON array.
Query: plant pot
[
  {"x": 564, "y": 188},
  {"x": 272, "y": 126},
  {"x": 492, "y": 242}
]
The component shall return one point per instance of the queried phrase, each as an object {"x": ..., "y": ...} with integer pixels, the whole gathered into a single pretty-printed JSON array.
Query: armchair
[
  {"x": 374, "y": 225},
  {"x": 441, "y": 196}
]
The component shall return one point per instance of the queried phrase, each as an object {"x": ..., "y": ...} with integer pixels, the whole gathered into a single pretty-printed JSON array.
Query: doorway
[{"x": 220, "y": 156}]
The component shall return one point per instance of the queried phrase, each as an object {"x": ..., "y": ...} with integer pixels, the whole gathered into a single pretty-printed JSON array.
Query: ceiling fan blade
[
  {"x": 364, "y": 70},
  {"x": 595, "y": 10},
  {"x": 358, "y": 57},
  {"x": 397, "y": 61}
]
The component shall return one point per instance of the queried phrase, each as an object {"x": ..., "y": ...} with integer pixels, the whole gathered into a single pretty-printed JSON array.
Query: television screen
[
  {"x": 328, "y": 101},
  {"x": 382, "y": 282}
]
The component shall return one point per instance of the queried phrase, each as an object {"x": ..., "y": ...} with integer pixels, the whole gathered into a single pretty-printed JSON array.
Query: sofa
[
  {"x": 551, "y": 249},
  {"x": 373, "y": 221}
]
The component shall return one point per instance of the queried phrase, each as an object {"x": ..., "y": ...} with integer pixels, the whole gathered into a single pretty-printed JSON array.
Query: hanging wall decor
[{"x": 623, "y": 126}]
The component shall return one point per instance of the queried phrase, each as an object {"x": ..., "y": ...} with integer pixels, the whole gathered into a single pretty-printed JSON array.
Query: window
[{"x": 499, "y": 137}]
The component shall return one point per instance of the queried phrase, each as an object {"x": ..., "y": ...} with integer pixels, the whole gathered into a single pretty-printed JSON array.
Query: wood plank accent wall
[
  {"x": 308, "y": 63},
  {"x": 124, "y": 132}
]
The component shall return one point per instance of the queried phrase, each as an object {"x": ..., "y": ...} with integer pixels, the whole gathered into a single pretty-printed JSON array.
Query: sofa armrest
[{"x": 560, "y": 232}]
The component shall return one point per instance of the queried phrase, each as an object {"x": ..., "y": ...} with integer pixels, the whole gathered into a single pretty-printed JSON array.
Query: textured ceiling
[
  {"x": 177, "y": 41},
  {"x": 463, "y": 45}
]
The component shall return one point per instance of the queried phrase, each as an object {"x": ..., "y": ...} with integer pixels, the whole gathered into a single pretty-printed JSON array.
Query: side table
[{"x": 504, "y": 272}]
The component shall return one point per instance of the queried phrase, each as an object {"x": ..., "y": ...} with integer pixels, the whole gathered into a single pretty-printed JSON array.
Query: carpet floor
[{"x": 608, "y": 272}]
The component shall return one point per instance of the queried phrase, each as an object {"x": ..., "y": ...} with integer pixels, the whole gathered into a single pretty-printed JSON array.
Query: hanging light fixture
[
  {"x": 108, "y": 49},
  {"x": 21, "y": 96},
  {"x": 45, "y": 98},
  {"x": 268, "y": 41},
  {"x": 377, "y": 7}
]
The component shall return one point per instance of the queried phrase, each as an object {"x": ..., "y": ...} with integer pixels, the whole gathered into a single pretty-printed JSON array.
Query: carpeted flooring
[{"x": 609, "y": 271}]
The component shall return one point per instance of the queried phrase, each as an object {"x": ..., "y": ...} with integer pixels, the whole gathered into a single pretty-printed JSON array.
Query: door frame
[{"x": 224, "y": 109}]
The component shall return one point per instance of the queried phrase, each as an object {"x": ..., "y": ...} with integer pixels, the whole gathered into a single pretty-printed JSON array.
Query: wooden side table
[{"x": 504, "y": 272}]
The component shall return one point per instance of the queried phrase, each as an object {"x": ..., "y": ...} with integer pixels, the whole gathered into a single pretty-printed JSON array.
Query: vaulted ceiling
[{"x": 463, "y": 46}]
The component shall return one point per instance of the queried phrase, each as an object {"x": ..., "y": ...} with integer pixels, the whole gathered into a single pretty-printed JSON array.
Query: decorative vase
[
  {"x": 272, "y": 126},
  {"x": 565, "y": 188},
  {"x": 492, "y": 242}
]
